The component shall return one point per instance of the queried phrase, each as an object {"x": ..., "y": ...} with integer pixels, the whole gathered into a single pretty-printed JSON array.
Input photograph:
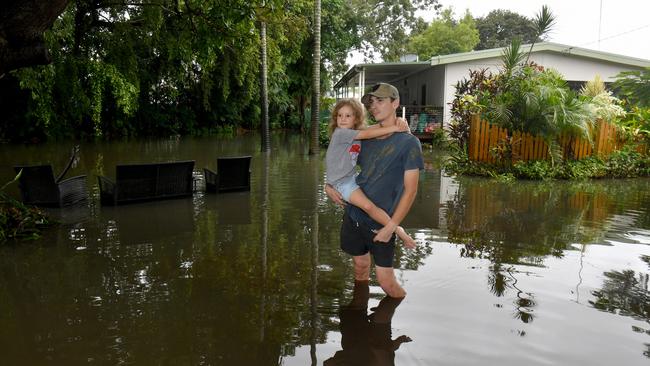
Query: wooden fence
[{"x": 487, "y": 142}]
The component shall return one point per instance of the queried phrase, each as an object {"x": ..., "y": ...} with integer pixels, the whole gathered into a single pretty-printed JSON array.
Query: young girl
[{"x": 346, "y": 127}]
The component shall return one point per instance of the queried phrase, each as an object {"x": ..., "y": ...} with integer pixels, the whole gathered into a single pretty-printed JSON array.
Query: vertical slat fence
[{"x": 485, "y": 139}]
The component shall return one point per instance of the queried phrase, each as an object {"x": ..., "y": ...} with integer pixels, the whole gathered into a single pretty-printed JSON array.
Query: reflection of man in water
[{"x": 366, "y": 339}]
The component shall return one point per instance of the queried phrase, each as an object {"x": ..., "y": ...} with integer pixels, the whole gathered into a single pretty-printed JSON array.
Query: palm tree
[
  {"x": 315, "y": 84},
  {"x": 264, "y": 94},
  {"x": 542, "y": 24}
]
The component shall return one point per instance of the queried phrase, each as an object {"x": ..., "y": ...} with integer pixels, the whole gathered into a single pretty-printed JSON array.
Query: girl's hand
[{"x": 402, "y": 125}]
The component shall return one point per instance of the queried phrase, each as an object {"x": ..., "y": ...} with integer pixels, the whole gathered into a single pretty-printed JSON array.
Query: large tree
[
  {"x": 155, "y": 68},
  {"x": 22, "y": 23},
  {"x": 445, "y": 35},
  {"x": 499, "y": 27},
  {"x": 383, "y": 26},
  {"x": 160, "y": 68}
]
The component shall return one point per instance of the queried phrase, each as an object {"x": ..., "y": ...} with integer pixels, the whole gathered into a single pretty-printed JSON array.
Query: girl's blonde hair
[{"x": 357, "y": 109}]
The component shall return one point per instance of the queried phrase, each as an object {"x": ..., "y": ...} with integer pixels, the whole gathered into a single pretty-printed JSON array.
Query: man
[{"x": 389, "y": 177}]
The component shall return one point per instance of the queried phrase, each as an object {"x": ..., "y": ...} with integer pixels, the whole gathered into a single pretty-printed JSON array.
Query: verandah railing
[{"x": 486, "y": 140}]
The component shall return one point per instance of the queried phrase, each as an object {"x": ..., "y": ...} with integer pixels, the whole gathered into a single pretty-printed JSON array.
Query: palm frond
[
  {"x": 544, "y": 21},
  {"x": 554, "y": 150},
  {"x": 512, "y": 56}
]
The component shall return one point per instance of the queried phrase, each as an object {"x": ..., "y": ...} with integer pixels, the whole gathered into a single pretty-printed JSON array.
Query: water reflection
[
  {"x": 626, "y": 293},
  {"x": 366, "y": 339},
  {"x": 257, "y": 278}
]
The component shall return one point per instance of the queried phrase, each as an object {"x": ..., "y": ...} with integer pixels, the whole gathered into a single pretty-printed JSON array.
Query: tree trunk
[
  {"x": 314, "y": 148},
  {"x": 264, "y": 94},
  {"x": 22, "y": 23}
]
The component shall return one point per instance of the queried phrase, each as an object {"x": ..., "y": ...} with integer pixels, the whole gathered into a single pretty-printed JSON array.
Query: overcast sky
[{"x": 624, "y": 24}]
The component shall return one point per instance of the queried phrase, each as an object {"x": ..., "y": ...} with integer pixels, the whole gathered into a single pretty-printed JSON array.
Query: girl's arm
[
  {"x": 378, "y": 130},
  {"x": 371, "y": 133}
]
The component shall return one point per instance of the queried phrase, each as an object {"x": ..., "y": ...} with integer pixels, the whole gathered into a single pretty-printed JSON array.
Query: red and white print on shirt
[{"x": 354, "y": 151}]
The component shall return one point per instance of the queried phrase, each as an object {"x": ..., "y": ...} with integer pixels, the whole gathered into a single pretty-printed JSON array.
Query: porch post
[{"x": 362, "y": 81}]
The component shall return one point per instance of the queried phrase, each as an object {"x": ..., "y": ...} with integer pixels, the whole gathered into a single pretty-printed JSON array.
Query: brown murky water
[{"x": 525, "y": 273}]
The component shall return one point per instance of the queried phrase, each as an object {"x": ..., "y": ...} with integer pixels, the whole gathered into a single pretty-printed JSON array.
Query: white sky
[{"x": 624, "y": 25}]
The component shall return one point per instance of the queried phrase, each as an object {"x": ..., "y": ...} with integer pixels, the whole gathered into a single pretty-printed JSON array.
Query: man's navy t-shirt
[{"x": 383, "y": 162}]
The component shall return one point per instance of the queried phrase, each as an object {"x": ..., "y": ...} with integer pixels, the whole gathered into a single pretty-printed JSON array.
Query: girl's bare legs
[{"x": 359, "y": 199}]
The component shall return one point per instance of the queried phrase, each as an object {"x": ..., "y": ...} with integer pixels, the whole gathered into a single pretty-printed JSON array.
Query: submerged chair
[
  {"x": 39, "y": 187},
  {"x": 233, "y": 174},
  {"x": 147, "y": 182}
]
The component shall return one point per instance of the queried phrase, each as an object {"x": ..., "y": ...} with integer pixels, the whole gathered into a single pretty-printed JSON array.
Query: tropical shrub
[
  {"x": 625, "y": 163},
  {"x": 607, "y": 107},
  {"x": 636, "y": 124},
  {"x": 18, "y": 221},
  {"x": 470, "y": 95},
  {"x": 634, "y": 86}
]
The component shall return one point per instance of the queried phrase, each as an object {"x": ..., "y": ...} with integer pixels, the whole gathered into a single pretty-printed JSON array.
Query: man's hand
[
  {"x": 334, "y": 195},
  {"x": 384, "y": 235},
  {"x": 402, "y": 125}
]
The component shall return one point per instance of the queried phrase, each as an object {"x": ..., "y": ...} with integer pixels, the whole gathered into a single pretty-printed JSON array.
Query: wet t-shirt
[{"x": 383, "y": 163}]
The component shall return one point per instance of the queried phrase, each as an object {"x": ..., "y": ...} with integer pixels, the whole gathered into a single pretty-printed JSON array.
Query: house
[{"x": 430, "y": 85}]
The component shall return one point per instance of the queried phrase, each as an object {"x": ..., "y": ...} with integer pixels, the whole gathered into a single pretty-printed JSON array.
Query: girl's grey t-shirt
[{"x": 341, "y": 156}]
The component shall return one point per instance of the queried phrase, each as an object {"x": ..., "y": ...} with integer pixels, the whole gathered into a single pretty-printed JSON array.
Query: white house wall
[
  {"x": 572, "y": 67},
  {"x": 457, "y": 71},
  {"x": 576, "y": 68}
]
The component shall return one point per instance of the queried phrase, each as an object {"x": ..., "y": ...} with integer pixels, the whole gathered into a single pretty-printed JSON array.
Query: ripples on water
[{"x": 524, "y": 273}]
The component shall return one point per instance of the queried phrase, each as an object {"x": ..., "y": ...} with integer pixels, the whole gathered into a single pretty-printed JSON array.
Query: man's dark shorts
[{"x": 356, "y": 240}]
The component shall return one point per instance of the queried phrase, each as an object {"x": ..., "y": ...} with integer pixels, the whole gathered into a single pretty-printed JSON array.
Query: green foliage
[
  {"x": 625, "y": 163},
  {"x": 439, "y": 138},
  {"x": 537, "y": 170},
  {"x": 525, "y": 97},
  {"x": 634, "y": 86},
  {"x": 480, "y": 83},
  {"x": 607, "y": 107},
  {"x": 499, "y": 27},
  {"x": 512, "y": 56},
  {"x": 445, "y": 35},
  {"x": 636, "y": 124},
  {"x": 538, "y": 101},
  {"x": 18, "y": 221},
  {"x": 191, "y": 67},
  {"x": 383, "y": 26}
]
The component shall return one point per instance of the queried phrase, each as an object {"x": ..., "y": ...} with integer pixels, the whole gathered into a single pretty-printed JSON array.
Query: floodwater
[{"x": 525, "y": 273}]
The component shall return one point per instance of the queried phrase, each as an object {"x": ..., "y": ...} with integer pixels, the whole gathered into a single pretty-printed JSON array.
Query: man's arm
[{"x": 411, "y": 179}]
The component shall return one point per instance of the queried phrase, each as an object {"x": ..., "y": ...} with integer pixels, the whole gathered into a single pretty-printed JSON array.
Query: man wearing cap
[{"x": 389, "y": 177}]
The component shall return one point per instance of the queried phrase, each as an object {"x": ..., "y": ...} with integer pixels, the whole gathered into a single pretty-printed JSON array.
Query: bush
[
  {"x": 18, "y": 221},
  {"x": 625, "y": 163}
]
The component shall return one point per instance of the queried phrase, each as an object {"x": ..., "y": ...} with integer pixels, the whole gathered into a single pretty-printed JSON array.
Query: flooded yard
[{"x": 536, "y": 273}]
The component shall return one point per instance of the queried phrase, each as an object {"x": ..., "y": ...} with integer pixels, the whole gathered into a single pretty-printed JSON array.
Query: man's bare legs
[
  {"x": 362, "y": 267},
  {"x": 388, "y": 282},
  {"x": 359, "y": 199},
  {"x": 385, "y": 276}
]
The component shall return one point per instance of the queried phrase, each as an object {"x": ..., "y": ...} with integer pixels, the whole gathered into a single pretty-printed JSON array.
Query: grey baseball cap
[{"x": 380, "y": 90}]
